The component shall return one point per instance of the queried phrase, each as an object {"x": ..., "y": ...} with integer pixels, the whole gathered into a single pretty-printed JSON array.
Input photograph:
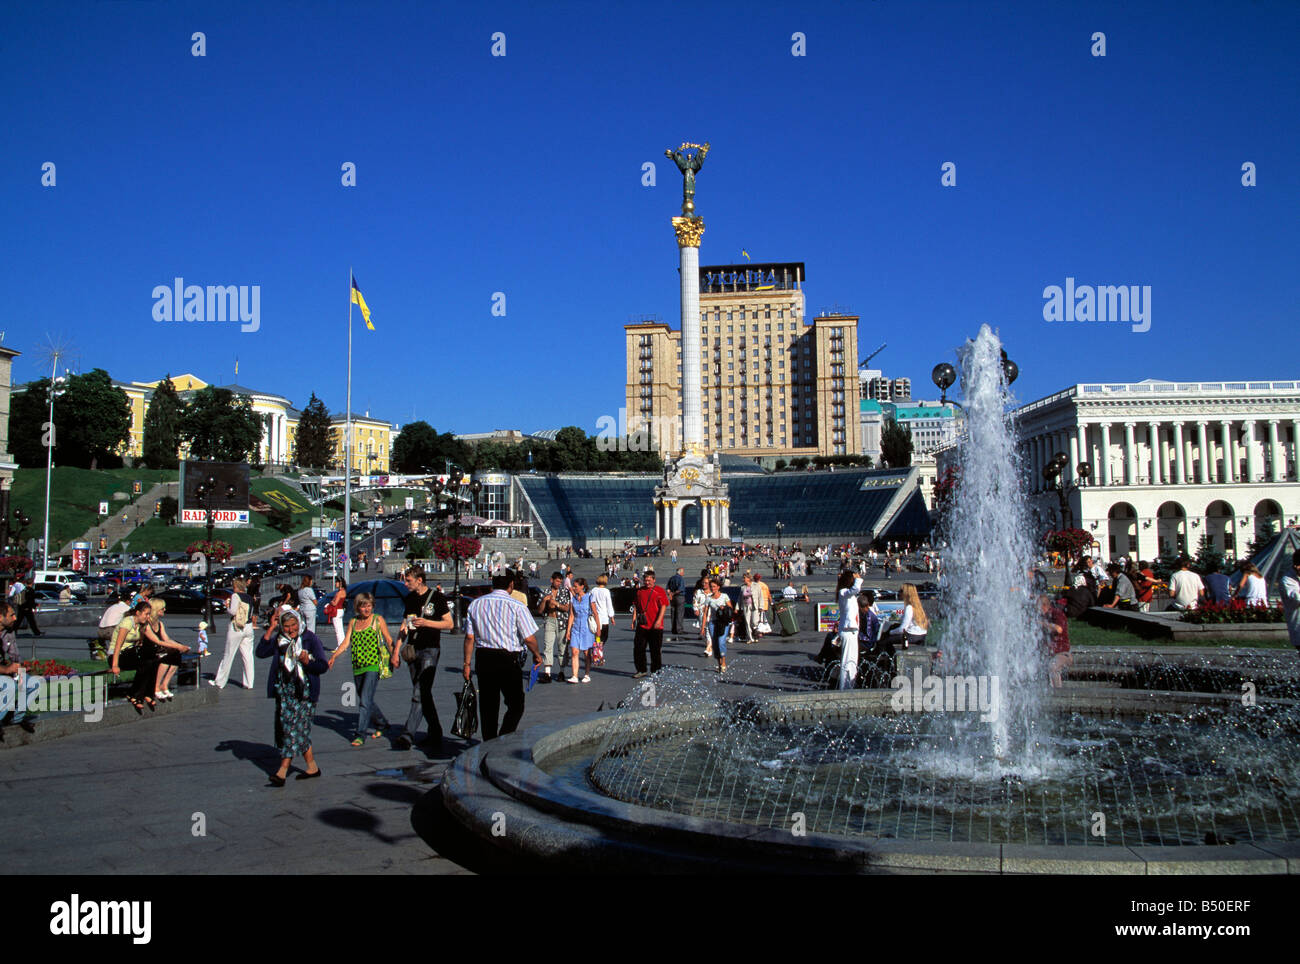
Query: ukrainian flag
[
  {"x": 360, "y": 301},
  {"x": 745, "y": 253}
]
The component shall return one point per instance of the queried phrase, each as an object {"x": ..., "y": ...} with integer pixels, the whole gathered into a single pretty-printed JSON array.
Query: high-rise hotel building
[{"x": 775, "y": 384}]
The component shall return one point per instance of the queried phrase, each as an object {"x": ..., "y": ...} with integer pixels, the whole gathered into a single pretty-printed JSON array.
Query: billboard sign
[{"x": 229, "y": 495}]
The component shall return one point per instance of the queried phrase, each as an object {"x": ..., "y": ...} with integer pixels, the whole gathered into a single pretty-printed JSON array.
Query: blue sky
[{"x": 522, "y": 174}]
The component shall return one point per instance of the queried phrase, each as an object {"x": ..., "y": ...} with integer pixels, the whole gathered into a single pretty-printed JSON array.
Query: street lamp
[
  {"x": 206, "y": 491},
  {"x": 776, "y": 563},
  {"x": 636, "y": 530},
  {"x": 600, "y": 531},
  {"x": 58, "y": 386},
  {"x": 1052, "y": 476},
  {"x": 944, "y": 377}
]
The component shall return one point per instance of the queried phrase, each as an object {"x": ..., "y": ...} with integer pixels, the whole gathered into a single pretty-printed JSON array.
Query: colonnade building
[
  {"x": 1171, "y": 462},
  {"x": 773, "y": 383}
]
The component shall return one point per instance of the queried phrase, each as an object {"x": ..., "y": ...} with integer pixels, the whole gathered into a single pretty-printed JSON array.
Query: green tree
[
  {"x": 220, "y": 425},
  {"x": 1208, "y": 558},
  {"x": 573, "y": 451},
  {"x": 162, "y": 427},
  {"x": 896, "y": 445},
  {"x": 780, "y": 465},
  {"x": 92, "y": 420},
  {"x": 314, "y": 440},
  {"x": 168, "y": 509},
  {"x": 280, "y": 519},
  {"x": 415, "y": 447},
  {"x": 28, "y": 409}
]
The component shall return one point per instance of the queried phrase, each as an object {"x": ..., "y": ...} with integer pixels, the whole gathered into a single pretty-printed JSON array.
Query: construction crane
[{"x": 863, "y": 363}]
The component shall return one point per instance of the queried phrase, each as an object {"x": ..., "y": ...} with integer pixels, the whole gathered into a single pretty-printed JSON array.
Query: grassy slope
[{"x": 75, "y": 496}]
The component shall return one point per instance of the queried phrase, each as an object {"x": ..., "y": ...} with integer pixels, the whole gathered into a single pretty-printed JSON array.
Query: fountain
[{"x": 1109, "y": 775}]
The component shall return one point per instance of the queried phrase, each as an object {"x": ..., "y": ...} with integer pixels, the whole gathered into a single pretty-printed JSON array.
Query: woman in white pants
[
  {"x": 338, "y": 601},
  {"x": 847, "y": 595},
  {"x": 239, "y": 636}
]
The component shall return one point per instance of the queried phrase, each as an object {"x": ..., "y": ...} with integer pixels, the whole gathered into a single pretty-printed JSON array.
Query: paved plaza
[{"x": 130, "y": 798}]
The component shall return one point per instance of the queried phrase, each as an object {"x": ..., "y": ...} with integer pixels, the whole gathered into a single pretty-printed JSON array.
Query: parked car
[
  {"x": 44, "y": 589},
  {"x": 188, "y": 601},
  {"x": 62, "y": 578}
]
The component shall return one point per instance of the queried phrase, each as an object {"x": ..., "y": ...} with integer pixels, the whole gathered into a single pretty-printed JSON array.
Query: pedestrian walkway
[{"x": 187, "y": 792}]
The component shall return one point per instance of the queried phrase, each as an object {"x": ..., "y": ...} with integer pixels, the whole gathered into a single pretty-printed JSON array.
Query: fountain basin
[{"x": 527, "y": 793}]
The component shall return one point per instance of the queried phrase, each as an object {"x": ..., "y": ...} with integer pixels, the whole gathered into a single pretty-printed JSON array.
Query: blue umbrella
[{"x": 390, "y": 596}]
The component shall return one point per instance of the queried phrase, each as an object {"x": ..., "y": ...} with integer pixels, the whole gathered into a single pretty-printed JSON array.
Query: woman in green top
[{"x": 371, "y": 642}]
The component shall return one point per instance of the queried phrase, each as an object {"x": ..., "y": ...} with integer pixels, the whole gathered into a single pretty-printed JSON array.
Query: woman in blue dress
[{"x": 579, "y": 636}]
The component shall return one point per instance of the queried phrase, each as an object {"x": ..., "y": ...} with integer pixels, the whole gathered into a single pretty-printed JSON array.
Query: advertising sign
[
  {"x": 388, "y": 545},
  {"x": 228, "y": 492},
  {"x": 221, "y": 517},
  {"x": 828, "y": 617},
  {"x": 103, "y": 508},
  {"x": 410, "y": 503},
  {"x": 81, "y": 556},
  {"x": 284, "y": 545}
]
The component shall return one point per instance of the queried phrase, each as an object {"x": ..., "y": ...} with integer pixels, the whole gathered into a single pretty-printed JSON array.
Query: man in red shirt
[{"x": 651, "y": 604}]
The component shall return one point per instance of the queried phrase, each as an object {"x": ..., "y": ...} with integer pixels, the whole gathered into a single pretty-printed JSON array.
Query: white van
[{"x": 63, "y": 577}]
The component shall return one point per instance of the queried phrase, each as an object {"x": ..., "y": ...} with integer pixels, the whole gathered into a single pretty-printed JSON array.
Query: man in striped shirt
[{"x": 499, "y": 626}]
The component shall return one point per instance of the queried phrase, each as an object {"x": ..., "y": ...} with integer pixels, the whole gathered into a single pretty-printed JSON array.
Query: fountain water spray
[{"x": 992, "y": 627}]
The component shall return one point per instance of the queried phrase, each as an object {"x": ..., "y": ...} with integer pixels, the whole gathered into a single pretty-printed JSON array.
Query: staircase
[
  {"x": 684, "y": 550},
  {"x": 530, "y": 549},
  {"x": 137, "y": 513}
]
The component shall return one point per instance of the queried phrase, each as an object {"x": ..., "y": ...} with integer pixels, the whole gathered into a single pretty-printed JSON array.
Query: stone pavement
[{"x": 133, "y": 798}]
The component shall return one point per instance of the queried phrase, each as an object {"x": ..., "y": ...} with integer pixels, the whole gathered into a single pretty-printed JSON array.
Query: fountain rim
[{"x": 549, "y": 818}]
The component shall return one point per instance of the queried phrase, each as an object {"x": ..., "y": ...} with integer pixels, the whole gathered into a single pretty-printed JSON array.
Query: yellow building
[
  {"x": 279, "y": 424},
  {"x": 372, "y": 444},
  {"x": 773, "y": 384}
]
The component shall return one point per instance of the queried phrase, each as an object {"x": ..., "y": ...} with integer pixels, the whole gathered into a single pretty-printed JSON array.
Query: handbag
[
  {"x": 386, "y": 668},
  {"x": 465, "y": 724},
  {"x": 593, "y": 623},
  {"x": 331, "y": 611}
]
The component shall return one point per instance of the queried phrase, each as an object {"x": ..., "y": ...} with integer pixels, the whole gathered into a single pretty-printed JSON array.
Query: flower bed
[
  {"x": 47, "y": 667},
  {"x": 1233, "y": 611}
]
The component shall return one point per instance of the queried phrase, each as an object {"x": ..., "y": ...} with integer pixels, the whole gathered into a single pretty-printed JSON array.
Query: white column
[
  {"x": 1179, "y": 455},
  {"x": 1203, "y": 440},
  {"x": 1229, "y": 452},
  {"x": 1084, "y": 454},
  {"x": 1295, "y": 443},
  {"x": 1074, "y": 457},
  {"x": 1130, "y": 455},
  {"x": 1248, "y": 427},
  {"x": 726, "y": 520},
  {"x": 1157, "y": 466},
  {"x": 1276, "y": 467},
  {"x": 692, "y": 422},
  {"x": 706, "y": 520},
  {"x": 1105, "y": 453}
]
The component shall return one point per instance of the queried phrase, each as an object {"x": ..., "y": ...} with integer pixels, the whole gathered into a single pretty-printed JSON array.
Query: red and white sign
[
  {"x": 220, "y": 517},
  {"x": 284, "y": 545}
]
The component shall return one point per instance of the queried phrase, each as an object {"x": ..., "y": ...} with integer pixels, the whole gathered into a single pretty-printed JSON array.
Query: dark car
[{"x": 187, "y": 601}]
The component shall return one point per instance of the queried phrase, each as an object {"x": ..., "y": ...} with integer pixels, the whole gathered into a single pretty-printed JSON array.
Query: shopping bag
[{"x": 465, "y": 724}]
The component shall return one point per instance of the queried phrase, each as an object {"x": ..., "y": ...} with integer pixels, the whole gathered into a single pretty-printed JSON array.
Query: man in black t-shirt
[{"x": 426, "y": 615}]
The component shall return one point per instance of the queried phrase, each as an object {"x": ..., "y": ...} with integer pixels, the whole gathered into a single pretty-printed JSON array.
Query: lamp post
[
  {"x": 776, "y": 563},
  {"x": 456, "y": 491},
  {"x": 944, "y": 377},
  {"x": 636, "y": 530},
  {"x": 1056, "y": 483},
  {"x": 600, "y": 531},
  {"x": 206, "y": 492},
  {"x": 57, "y": 388}
]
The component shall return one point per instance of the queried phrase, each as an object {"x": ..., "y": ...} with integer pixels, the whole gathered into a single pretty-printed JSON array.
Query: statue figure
[{"x": 688, "y": 164}]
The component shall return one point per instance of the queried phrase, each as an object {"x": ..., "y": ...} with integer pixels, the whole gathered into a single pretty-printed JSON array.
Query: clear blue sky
[{"x": 522, "y": 174}]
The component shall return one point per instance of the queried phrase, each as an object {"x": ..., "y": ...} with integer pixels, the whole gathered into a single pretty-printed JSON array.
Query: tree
[
  {"x": 92, "y": 419},
  {"x": 896, "y": 446},
  {"x": 314, "y": 440},
  {"x": 168, "y": 508},
  {"x": 1208, "y": 558},
  {"x": 221, "y": 426},
  {"x": 162, "y": 427},
  {"x": 419, "y": 447}
]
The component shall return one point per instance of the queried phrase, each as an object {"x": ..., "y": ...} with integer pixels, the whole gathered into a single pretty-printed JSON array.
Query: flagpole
[{"x": 347, "y": 445}]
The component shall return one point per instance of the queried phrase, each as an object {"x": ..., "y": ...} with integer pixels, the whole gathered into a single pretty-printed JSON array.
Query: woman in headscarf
[{"x": 294, "y": 682}]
